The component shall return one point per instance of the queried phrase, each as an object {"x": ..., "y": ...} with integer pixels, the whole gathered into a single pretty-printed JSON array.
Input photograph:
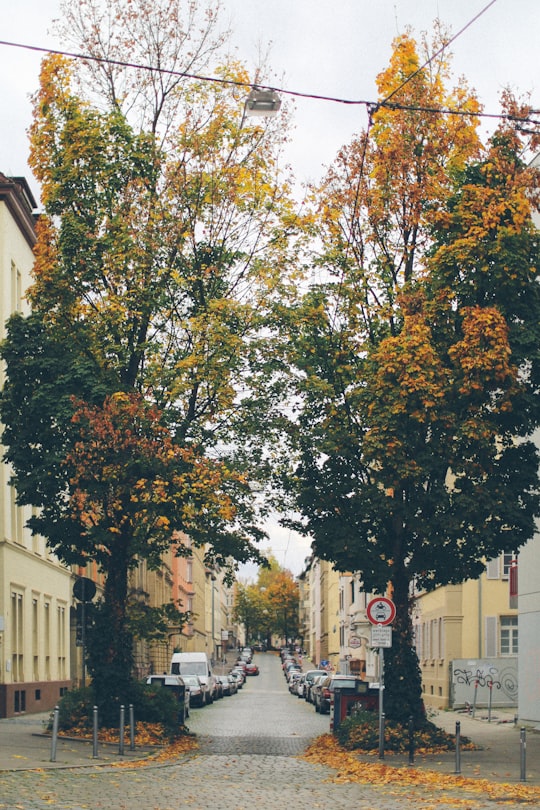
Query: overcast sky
[{"x": 323, "y": 47}]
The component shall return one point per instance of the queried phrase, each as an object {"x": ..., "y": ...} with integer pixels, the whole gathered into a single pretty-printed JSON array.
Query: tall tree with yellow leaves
[
  {"x": 166, "y": 224},
  {"x": 417, "y": 357}
]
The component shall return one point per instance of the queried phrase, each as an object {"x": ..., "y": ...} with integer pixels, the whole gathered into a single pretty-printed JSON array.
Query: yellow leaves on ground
[
  {"x": 350, "y": 768},
  {"x": 146, "y": 734}
]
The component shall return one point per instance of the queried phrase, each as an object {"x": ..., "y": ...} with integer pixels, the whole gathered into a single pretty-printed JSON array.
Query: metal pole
[
  {"x": 54, "y": 739},
  {"x": 381, "y": 700},
  {"x": 523, "y": 755},
  {"x": 411, "y": 740},
  {"x": 121, "y": 729},
  {"x": 474, "y": 699},
  {"x": 131, "y": 727},
  {"x": 94, "y": 732},
  {"x": 458, "y": 747},
  {"x": 490, "y": 703},
  {"x": 83, "y": 634}
]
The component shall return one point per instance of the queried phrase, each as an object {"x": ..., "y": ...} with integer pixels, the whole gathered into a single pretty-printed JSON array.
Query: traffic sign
[
  {"x": 381, "y": 611},
  {"x": 381, "y": 636},
  {"x": 84, "y": 589}
]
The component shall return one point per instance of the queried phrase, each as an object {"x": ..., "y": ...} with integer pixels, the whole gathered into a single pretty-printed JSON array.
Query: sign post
[
  {"x": 84, "y": 590},
  {"x": 381, "y": 612}
]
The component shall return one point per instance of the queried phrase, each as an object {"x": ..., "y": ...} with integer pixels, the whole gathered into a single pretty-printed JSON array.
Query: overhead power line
[
  {"x": 437, "y": 53},
  {"x": 370, "y": 106}
]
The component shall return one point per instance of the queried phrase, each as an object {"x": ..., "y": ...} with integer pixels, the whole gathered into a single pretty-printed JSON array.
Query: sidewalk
[
  {"x": 498, "y": 758},
  {"x": 24, "y": 746}
]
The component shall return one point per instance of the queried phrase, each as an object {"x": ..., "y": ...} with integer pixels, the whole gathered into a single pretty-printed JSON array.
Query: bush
[
  {"x": 361, "y": 732},
  {"x": 150, "y": 705},
  {"x": 76, "y": 708}
]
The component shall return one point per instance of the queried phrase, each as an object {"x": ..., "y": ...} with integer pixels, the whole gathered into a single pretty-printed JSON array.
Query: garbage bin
[{"x": 348, "y": 694}]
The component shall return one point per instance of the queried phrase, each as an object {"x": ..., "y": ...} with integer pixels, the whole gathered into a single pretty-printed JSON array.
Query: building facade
[{"x": 35, "y": 589}]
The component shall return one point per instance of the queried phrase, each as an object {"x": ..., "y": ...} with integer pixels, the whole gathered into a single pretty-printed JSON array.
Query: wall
[{"x": 474, "y": 680}]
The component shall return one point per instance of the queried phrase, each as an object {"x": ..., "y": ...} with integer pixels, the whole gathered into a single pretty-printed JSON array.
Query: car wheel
[{"x": 316, "y": 708}]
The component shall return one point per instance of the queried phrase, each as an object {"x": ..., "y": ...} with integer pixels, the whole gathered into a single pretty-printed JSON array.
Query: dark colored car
[
  {"x": 324, "y": 692},
  {"x": 226, "y": 687},
  {"x": 311, "y": 675},
  {"x": 197, "y": 693}
]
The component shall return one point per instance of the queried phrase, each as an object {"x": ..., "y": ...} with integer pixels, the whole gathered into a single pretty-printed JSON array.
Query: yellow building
[{"x": 467, "y": 641}]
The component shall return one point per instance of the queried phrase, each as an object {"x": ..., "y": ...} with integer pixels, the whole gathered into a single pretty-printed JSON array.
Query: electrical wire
[
  {"x": 437, "y": 53},
  {"x": 370, "y": 106}
]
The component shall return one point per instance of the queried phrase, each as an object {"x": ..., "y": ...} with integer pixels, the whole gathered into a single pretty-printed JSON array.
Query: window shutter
[
  {"x": 493, "y": 568},
  {"x": 491, "y": 637}
]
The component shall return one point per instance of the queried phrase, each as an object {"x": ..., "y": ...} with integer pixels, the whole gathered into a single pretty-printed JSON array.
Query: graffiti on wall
[{"x": 484, "y": 682}]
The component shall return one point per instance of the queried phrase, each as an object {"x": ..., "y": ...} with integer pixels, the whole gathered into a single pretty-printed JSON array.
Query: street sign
[
  {"x": 381, "y": 611},
  {"x": 84, "y": 589},
  {"x": 381, "y": 636}
]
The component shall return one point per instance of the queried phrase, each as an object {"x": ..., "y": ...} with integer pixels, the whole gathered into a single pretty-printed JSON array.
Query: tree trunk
[
  {"x": 403, "y": 677},
  {"x": 110, "y": 659}
]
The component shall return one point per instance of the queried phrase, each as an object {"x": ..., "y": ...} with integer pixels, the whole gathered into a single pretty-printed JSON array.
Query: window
[
  {"x": 61, "y": 640},
  {"x": 506, "y": 564},
  {"x": 509, "y": 635},
  {"x": 17, "y": 636}
]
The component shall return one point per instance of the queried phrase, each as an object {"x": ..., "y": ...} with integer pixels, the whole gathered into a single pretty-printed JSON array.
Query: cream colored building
[
  {"x": 467, "y": 641},
  {"x": 320, "y": 610},
  {"x": 35, "y": 590}
]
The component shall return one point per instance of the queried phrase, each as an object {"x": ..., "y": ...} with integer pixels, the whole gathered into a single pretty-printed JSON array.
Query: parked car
[
  {"x": 292, "y": 668},
  {"x": 239, "y": 677},
  {"x": 293, "y": 680},
  {"x": 233, "y": 683},
  {"x": 299, "y": 685},
  {"x": 311, "y": 674},
  {"x": 315, "y": 687},
  {"x": 226, "y": 687},
  {"x": 240, "y": 674},
  {"x": 323, "y": 694},
  {"x": 197, "y": 691},
  {"x": 195, "y": 663},
  {"x": 252, "y": 669}
]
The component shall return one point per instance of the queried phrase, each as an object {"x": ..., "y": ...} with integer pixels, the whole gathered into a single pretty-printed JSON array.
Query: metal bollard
[
  {"x": 458, "y": 748},
  {"x": 411, "y": 740},
  {"x": 95, "y": 732},
  {"x": 121, "y": 730},
  {"x": 523, "y": 754},
  {"x": 381, "y": 736},
  {"x": 131, "y": 727},
  {"x": 54, "y": 739}
]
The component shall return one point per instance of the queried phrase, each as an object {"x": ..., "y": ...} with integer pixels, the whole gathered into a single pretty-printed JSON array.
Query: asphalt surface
[{"x": 248, "y": 755}]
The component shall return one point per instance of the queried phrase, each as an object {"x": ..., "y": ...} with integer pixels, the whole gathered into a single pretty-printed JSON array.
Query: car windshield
[{"x": 191, "y": 668}]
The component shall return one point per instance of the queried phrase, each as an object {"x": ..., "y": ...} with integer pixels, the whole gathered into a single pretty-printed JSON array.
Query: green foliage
[
  {"x": 417, "y": 356},
  {"x": 155, "y": 705},
  {"x": 161, "y": 247},
  {"x": 75, "y": 709},
  {"x": 150, "y": 705}
]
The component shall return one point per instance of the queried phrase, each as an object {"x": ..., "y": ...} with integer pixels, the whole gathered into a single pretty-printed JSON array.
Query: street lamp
[{"x": 262, "y": 103}]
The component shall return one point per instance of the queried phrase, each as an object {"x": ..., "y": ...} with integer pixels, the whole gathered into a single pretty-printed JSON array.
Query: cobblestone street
[{"x": 247, "y": 759}]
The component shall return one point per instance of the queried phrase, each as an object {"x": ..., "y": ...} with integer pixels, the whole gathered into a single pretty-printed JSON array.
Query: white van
[{"x": 195, "y": 663}]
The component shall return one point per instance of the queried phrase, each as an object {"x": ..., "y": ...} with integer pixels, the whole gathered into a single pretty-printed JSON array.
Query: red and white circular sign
[{"x": 381, "y": 611}]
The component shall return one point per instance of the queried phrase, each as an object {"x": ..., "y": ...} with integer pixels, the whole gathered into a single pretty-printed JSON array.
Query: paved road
[{"x": 246, "y": 762}]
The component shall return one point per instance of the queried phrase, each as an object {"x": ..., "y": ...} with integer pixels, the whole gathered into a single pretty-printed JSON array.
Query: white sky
[{"x": 324, "y": 47}]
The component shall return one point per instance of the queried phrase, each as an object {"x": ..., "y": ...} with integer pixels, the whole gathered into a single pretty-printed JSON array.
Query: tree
[
  {"x": 269, "y": 607},
  {"x": 281, "y": 594},
  {"x": 166, "y": 222},
  {"x": 417, "y": 359}
]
